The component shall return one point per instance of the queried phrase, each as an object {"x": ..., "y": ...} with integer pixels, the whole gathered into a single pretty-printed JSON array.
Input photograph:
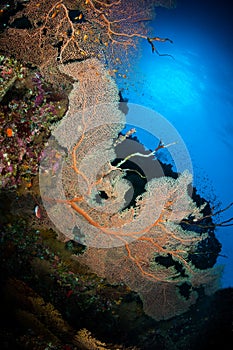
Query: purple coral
[{"x": 29, "y": 115}]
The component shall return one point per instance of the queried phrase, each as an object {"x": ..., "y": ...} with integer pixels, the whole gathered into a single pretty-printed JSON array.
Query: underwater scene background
[
  {"x": 194, "y": 92},
  {"x": 116, "y": 199}
]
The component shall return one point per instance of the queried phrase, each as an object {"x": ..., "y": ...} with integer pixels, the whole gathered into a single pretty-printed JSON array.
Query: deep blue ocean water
[{"x": 194, "y": 92}]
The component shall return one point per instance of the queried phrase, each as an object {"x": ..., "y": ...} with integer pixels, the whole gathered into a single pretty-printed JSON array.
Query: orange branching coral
[
  {"x": 46, "y": 33},
  {"x": 142, "y": 245},
  {"x": 121, "y": 23}
]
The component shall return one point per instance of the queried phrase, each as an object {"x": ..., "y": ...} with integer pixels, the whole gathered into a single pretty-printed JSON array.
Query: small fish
[
  {"x": 37, "y": 211},
  {"x": 54, "y": 14},
  {"x": 79, "y": 17}
]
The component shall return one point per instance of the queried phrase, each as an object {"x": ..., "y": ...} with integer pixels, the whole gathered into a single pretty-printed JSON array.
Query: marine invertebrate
[
  {"x": 10, "y": 71},
  {"x": 49, "y": 32},
  {"x": 143, "y": 245},
  {"x": 26, "y": 113}
]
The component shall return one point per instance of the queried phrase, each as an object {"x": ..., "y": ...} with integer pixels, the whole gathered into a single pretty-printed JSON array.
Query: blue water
[{"x": 194, "y": 93}]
